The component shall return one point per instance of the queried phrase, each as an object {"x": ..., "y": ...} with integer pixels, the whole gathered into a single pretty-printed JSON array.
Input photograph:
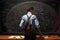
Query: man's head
[{"x": 31, "y": 9}]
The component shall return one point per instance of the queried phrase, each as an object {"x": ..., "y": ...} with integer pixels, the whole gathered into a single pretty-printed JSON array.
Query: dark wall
[{"x": 6, "y": 5}]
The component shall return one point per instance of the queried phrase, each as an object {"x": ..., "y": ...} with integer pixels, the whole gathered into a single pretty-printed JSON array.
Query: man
[{"x": 29, "y": 20}]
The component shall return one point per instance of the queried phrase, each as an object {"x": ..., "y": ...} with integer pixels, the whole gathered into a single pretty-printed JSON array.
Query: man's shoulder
[
  {"x": 33, "y": 15},
  {"x": 24, "y": 15}
]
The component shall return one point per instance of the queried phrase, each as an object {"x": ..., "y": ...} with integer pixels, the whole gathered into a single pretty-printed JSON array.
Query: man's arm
[
  {"x": 38, "y": 26},
  {"x": 24, "y": 18},
  {"x": 21, "y": 23}
]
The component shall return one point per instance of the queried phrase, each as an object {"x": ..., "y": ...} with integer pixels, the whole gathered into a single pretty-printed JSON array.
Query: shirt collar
[{"x": 29, "y": 14}]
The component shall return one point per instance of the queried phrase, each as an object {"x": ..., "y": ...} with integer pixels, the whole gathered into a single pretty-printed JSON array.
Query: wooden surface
[{"x": 8, "y": 37}]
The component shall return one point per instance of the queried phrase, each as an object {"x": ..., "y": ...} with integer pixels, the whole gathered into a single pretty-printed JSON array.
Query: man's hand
[{"x": 40, "y": 33}]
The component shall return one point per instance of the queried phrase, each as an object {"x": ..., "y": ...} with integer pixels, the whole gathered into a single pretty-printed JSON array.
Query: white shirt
[{"x": 25, "y": 17}]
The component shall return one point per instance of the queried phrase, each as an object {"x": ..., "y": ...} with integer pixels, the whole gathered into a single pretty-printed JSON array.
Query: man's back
[{"x": 31, "y": 18}]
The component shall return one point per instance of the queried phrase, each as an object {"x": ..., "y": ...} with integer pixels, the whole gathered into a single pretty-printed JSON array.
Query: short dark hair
[{"x": 31, "y": 8}]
